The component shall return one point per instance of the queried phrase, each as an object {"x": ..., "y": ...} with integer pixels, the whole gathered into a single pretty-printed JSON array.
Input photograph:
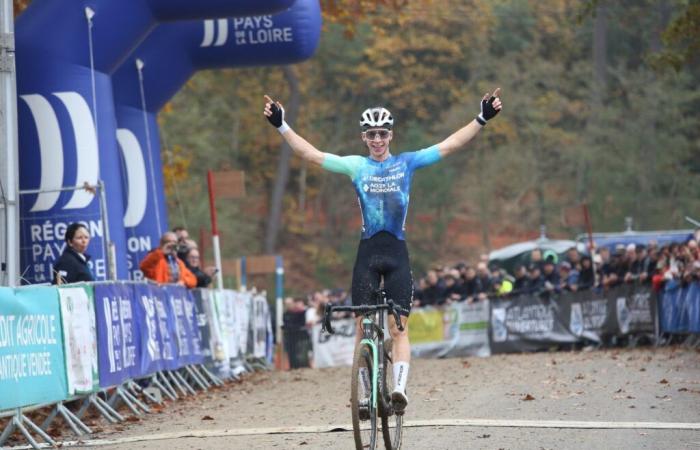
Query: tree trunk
[
  {"x": 274, "y": 218},
  {"x": 598, "y": 90}
]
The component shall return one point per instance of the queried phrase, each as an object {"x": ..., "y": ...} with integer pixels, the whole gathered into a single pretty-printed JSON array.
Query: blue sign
[
  {"x": 118, "y": 334},
  {"x": 184, "y": 316},
  {"x": 159, "y": 67},
  {"x": 158, "y": 345},
  {"x": 32, "y": 364},
  {"x": 67, "y": 53}
]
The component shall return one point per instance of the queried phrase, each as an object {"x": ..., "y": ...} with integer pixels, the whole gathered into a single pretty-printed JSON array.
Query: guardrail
[{"x": 109, "y": 342}]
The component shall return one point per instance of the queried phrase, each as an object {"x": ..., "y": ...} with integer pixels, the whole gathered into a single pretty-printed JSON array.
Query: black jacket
[
  {"x": 75, "y": 268},
  {"x": 203, "y": 280}
]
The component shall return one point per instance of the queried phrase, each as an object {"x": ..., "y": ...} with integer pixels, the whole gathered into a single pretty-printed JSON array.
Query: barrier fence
[
  {"x": 90, "y": 342},
  {"x": 531, "y": 323}
]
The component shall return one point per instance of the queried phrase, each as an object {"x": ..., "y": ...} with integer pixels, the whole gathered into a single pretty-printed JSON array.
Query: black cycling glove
[
  {"x": 488, "y": 112},
  {"x": 277, "y": 117}
]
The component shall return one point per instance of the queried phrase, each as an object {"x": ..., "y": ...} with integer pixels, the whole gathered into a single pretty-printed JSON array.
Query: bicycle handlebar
[{"x": 362, "y": 309}]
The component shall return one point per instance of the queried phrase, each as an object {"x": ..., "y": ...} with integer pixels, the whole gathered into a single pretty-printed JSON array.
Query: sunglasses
[{"x": 372, "y": 134}]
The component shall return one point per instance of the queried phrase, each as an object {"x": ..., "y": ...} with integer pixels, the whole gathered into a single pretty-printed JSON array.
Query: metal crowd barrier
[
  {"x": 630, "y": 314},
  {"x": 101, "y": 345}
]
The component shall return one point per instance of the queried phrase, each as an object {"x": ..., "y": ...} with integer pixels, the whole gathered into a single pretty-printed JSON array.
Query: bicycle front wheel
[
  {"x": 392, "y": 424},
  {"x": 364, "y": 414}
]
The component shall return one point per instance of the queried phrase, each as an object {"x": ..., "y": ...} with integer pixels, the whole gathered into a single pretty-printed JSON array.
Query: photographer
[{"x": 163, "y": 266}]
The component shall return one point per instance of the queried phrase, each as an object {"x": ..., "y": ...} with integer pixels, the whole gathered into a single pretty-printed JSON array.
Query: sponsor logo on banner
[
  {"x": 588, "y": 316},
  {"x": 45, "y": 243},
  {"x": 136, "y": 202},
  {"x": 32, "y": 362},
  {"x": 623, "y": 315},
  {"x": 576, "y": 321},
  {"x": 498, "y": 325},
  {"x": 332, "y": 350},
  {"x": 51, "y": 149},
  {"x": 80, "y": 339},
  {"x": 246, "y": 30}
]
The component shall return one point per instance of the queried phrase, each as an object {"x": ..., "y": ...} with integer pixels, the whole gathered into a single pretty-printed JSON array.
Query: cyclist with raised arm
[{"x": 382, "y": 181}]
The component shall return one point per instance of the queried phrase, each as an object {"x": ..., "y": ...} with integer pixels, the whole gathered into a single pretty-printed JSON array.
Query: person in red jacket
[{"x": 163, "y": 266}]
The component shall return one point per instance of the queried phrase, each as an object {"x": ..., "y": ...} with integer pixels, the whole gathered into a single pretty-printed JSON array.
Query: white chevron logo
[
  {"x": 51, "y": 149},
  {"x": 210, "y": 32},
  {"x": 136, "y": 177}
]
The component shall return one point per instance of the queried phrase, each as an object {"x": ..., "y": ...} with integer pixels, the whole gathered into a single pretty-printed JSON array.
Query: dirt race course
[{"x": 449, "y": 401}]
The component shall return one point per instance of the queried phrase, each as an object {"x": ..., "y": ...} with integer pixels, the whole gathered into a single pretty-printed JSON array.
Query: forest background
[{"x": 601, "y": 106}]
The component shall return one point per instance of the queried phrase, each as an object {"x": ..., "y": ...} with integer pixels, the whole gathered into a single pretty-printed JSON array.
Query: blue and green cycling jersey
[{"x": 383, "y": 188}]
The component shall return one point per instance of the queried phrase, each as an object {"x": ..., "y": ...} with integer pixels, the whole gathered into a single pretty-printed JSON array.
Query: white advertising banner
[
  {"x": 331, "y": 350},
  {"x": 80, "y": 339}
]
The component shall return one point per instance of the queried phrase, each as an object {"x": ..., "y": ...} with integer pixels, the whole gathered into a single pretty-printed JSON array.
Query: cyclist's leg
[
  {"x": 398, "y": 284},
  {"x": 365, "y": 280}
]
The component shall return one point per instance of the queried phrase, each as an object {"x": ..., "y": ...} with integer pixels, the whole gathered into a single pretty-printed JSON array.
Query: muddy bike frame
[{"x": 372, "y": 335}]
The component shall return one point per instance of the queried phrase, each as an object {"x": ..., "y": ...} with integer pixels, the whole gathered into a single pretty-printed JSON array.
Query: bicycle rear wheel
[
  {"x": 364, "y": 415},
  {"x": 392, "y": 424}
]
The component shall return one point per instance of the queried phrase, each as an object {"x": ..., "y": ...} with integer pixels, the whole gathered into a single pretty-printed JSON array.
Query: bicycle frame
[
  {"x": 377, "y": 347},
  {"x": 369, "y": 328}
]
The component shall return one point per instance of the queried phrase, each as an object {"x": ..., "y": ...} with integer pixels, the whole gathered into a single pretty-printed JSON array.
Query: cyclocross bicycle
[{"x": 372, "y": 360}]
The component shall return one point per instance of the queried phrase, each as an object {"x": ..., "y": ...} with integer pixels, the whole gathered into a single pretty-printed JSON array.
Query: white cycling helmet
[{"x": 376, "y": 117}]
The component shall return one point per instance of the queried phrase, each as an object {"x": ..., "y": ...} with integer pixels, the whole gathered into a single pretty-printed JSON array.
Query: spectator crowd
[
  {"x": 544, "y": 273},
  {"x": 177, "y": 260}
]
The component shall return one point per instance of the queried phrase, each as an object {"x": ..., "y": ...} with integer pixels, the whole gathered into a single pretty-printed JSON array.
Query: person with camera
[{"x": 163, "y": 266}]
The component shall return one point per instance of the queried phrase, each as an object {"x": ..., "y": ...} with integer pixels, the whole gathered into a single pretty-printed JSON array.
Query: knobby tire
[
  {"x": 392, "y": 424},
  {"x": 364, "y": 438}
]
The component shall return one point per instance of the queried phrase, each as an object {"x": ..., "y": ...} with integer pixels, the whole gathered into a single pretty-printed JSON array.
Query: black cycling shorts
[{"x": 383, "y": 256}]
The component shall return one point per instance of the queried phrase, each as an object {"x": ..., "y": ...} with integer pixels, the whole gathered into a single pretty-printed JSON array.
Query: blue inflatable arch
[
  {"x": 66, "y": 53},
  {"x": 159, "y": 68}
]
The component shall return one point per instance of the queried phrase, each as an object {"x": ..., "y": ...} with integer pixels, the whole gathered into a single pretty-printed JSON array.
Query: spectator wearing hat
[
  {"x": 550, "y": 274},
  {"x": 568, "y": 277},
  {"x": 501, "y": 285}
]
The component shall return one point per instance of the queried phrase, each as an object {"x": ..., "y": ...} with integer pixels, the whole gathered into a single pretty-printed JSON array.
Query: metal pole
[
  {"x": 9, "y": 168},
  {"x": 109, "y": 251},
  {"x": 279, "y": 301},
  {"x": 693, "y": 221},
  {"x": 214, "y": 231}
]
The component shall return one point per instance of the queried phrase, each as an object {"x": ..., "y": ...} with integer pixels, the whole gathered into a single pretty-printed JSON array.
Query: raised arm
[
  {"x": 275, "y": 115},
  {"x": 490, "y": 106}
]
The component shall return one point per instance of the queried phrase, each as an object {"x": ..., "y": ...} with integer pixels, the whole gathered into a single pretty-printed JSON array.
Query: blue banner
[
  {"x": 184, "y": 317},
  {"x": 118, "y": 334},
  {"x": 680, "y": 308},
  {"x": 32, "y": 364},
  {"x": 158, "y": 348}
]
